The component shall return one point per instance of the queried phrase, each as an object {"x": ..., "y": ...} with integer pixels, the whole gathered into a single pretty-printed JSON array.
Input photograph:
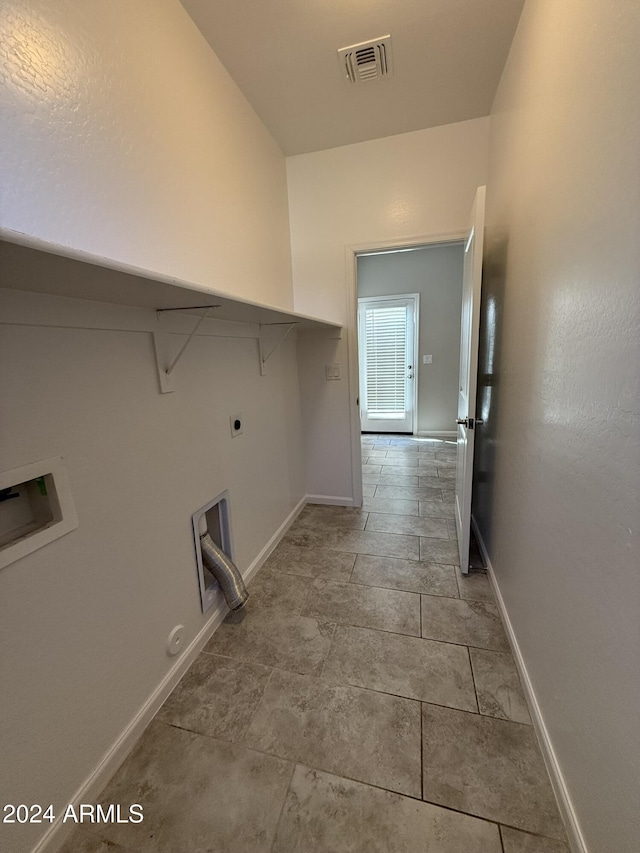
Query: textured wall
[
  {"x": 84, "y": 620},
  {"x": 557, "y": 459},
  {"x": 377, "y": 193},
  {"x": 123, "y": 136}
]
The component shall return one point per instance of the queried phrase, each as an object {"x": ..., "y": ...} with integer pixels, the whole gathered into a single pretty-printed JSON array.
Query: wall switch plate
[
  {"x": 235, "y": 421},
  {"x": 332, "y": 371},
  {"x": 427, "y": 359}
]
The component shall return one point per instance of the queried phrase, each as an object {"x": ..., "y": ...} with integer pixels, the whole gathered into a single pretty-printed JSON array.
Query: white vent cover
[{"x": 369, "y": 60}]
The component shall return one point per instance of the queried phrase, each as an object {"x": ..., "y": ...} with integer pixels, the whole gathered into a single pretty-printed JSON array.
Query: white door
[
  {"x": 386, "y": 337},
  {"x": 469, "y": 335}
]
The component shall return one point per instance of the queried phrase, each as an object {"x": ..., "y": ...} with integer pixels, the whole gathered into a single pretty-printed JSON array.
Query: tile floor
[{"x": 367, "y": 702}]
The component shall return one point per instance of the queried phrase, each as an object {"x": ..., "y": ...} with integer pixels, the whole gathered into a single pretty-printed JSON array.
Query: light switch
[
  {"x": 332, "y": 371},
  {"x": 427, "y": 359}
]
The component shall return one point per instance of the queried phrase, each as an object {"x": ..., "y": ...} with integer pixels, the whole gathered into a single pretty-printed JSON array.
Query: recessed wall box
[
  {"x": 36, "y": 507},
  {"x": 218, "y": 525}
]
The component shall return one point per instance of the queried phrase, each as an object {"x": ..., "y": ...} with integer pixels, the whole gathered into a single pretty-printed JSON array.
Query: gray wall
[
  {"x": 84, "y": 620},
  {"x": 557, "y": 479},
  {"x": 435, "y": 272},
  {"x": 123, "y": 136}
]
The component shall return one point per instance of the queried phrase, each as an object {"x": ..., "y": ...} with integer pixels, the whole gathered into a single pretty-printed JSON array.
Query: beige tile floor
[{"x": 367, "y": 702}]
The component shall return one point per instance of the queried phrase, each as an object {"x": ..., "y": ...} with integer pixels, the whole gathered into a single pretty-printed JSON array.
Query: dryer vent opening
[{"x": 214, "y": 555}]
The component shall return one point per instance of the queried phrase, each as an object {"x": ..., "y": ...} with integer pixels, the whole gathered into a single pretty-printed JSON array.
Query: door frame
[
  {"x": 351, "y": 278},
  {"x": 416, "y": 324},
  {"x": 469, "y": 343}
]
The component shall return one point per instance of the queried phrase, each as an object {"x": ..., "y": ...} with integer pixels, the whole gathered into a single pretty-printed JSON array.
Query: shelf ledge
[{"x": 34, "y": 265}]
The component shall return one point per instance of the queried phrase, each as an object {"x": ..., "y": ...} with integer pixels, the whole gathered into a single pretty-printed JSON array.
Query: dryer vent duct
[
  {"x": 369, "y": 60},
  {"x": 225, "y": 572}
]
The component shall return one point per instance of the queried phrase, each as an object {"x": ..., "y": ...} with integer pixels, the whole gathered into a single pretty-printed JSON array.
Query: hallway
[{"x": 367, "y": 702}]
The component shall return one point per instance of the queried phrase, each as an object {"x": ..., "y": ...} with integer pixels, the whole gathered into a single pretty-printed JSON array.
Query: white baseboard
[
  {"x": 330, "y": 500},
  {"x": 90, "y": 789},
  {"x": 574, "y": 835},
  {"x": 443, "y": 434},
  {"x": 265, "y": 553}
]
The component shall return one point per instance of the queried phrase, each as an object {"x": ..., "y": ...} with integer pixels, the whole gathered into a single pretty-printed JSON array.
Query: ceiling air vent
[{"x": 369, "y": 60}]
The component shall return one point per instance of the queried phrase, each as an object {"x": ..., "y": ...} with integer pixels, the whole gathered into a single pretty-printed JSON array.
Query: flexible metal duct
[{"x": 224, "y": 571}]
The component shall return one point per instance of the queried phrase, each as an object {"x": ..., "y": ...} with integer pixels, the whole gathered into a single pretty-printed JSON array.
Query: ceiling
[{"x": 448, "y": 56}]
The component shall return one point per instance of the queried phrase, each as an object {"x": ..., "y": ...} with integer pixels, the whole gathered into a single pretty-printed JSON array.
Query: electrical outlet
[
  {"x": 332, "y": 371},
  {"x": 235, "y": 422}
]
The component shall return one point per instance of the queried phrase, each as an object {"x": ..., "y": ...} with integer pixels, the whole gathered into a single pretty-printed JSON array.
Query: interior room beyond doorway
[{"x": 434, "y": 272}]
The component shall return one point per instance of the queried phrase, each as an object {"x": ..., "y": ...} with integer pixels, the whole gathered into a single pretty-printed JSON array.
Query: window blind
[{"x": 386, "y": 361}]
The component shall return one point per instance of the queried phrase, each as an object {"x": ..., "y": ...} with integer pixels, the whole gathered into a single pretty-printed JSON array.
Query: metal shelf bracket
[
  {"x": 164, "y": 367},
  {"x": 263, "y": 354},
  {"x": 166, "y": 363}
]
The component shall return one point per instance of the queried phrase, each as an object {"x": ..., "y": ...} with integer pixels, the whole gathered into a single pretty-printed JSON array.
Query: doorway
[
  {"x": 433, "y": 273},
  {"x": 387, "y": 341}
]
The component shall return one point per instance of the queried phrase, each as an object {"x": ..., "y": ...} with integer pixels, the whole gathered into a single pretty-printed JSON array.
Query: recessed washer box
[{"x": 36, "y": 507}]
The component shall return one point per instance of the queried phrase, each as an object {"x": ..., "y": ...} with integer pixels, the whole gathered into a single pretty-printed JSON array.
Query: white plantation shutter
[{"x": 385, "y": 331}]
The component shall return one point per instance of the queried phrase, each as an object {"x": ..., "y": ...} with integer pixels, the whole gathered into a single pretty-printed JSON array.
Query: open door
[{"x": 469, "y": 337}]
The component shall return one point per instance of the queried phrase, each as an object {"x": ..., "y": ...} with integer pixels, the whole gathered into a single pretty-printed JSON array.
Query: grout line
[
  {"x": 284, "y": 801},
  {"x": 339, "y": 775},
  {"x": 306, "y": 597},
  {"x": 501, "y": 838},
  {"x": 382, "y": 630},
  {"x": 402, "y": 589},
  {"x": 330, "y": 683},
  {"x": 380, "y": 787},
  {"x": 348, "y": 778},
  {"x": 473, "y": 678},
  {"x": 252, "y": 714},
  {"x": 482, "y": 717},
  {"x": 258, "y": 703},
  {"x": 353, "y": 568},
  {"x": 317, "y": 676},
  {"x": 324, "y": 659},
  {"x": 422, "y": 756},
  {"x": 397, "y": 589},
  {"x": 327, "y": 619},
  {"x": 320, "y": 674},
  {"x": 458, "y": 585}
]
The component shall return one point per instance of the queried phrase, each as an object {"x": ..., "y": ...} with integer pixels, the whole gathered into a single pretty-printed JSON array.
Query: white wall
[
  {"x": 84, "y": 621},
  {"x": 378, "y": 193},
  {"x": 381, "y": 192},
  {"x": 557, "y": 500},
  {"x": 435, "y": 272},
  {"x": 124, "y": 136},
  {"x": 327, "y": 444}
]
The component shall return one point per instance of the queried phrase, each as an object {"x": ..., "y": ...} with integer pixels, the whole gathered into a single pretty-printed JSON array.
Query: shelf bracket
[
  {"x": 165, "y": 378},
  {"x": 265, "y": 356}
]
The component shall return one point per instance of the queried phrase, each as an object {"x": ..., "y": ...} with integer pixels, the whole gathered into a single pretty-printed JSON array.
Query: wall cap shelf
[{"x": 30, "y": 264}]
